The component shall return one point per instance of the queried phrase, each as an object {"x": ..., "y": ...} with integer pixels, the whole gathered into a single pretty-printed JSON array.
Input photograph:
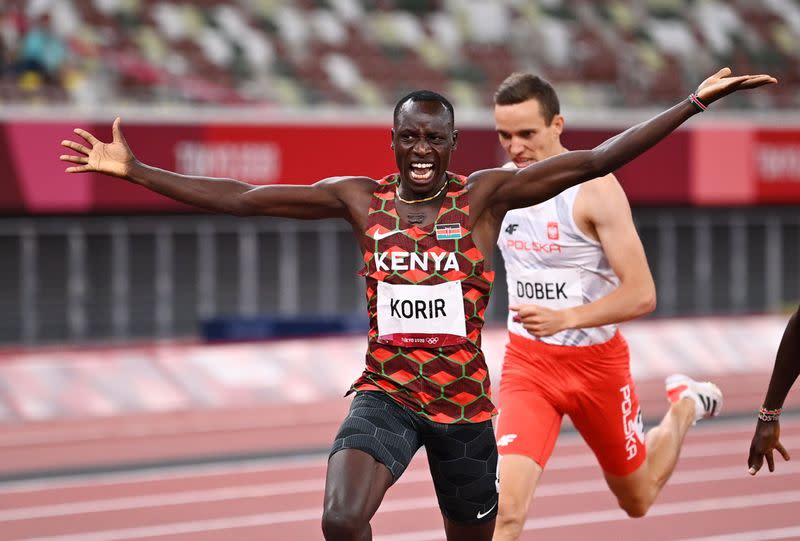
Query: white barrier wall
[{"x": 47, "y": 384}]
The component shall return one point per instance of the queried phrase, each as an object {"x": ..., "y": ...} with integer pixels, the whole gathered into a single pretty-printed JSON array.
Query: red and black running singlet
[{"x": 427, "y": 292}]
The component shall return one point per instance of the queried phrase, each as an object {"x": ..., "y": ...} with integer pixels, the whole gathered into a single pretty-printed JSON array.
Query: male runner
[
  {"x": 422, "y": 233},
  {"x": 784, "y": 374},
  {"x": 575, "y": 268}
]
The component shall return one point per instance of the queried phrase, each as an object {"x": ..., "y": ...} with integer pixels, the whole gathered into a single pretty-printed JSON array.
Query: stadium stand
[{"x": 610, "y": 53}]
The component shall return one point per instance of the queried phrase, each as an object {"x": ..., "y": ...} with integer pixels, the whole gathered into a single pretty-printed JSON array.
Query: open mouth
[
  {"x": 523, "y": 162},
  {"x": 421, "y": 171}
]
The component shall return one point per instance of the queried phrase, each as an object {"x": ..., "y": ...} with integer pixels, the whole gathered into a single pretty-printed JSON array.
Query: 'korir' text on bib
[{"x": 421, "y": 316}]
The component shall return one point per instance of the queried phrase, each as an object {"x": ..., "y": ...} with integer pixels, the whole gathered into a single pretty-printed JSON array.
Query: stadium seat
[{"x": 626, "y": 53}]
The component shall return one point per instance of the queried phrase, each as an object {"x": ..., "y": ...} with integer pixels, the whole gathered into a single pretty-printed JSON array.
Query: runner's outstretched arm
[
  {"x": 542, "y": 180},
  {"x": 229, "y": 196},
  {"x": 784, "y": 374}
]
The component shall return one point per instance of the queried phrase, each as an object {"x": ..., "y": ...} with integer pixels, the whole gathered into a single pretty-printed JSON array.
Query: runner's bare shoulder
[
  {"x": 488, "y": 178},
  {"x": 349, "y": 185}
]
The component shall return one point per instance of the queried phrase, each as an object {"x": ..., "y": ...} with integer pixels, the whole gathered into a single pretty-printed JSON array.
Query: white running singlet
[{"x": 550, "y": 262}]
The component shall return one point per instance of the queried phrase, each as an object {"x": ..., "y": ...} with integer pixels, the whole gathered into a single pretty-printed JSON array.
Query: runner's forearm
[
  {"x": 547, "y": 178},
  {"x": 622, "y": 148},
  {"x": 787, "y": 365},
  {"x": 622, "y": 304},
  {"x": 216, "y": 194}
]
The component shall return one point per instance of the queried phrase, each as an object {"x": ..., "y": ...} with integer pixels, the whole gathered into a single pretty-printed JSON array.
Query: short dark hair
[
  {"x": 425, "y": 95},
  {"x": 519, "y": 87}
]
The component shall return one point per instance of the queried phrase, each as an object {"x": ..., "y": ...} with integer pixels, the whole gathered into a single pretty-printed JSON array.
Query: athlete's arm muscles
[
  {"x": 540, "y": 181},
  {"x": 787, "y": 364},
  {"x": 606, "y": 208},
  {"x": 328, "y": 198},
  {"x": 766, "y": 438},
  {"x": 333, "y": 197},
  {"x": 323, "y": 199},
  {"x": 601, "y": 207}
]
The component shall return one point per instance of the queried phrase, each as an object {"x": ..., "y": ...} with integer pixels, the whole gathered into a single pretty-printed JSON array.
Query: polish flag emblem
[{"x": 552, "y": 230}]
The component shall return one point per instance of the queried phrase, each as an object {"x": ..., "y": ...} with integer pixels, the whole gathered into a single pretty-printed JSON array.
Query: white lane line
[
  {"x": 170, "y": 428},
  {"x": 686, "y": 477},
  {"x": 162, "y": 500},
  {"x": 690, "y": 450},
  {"x": 189, "y": 426},
  {"x": 791, "y": 532},
  {"x": 680, "y": 477},
  {"x": 178, "y": 425},
  {"x": 177, "y": 528},
  {"x": 158, "y": 473},
  {"x": 165, "y": 473},
  {"x": 614, "y": 515},
  {"x": 571, "y": 519},
  {"x": 558, "y": 463}
]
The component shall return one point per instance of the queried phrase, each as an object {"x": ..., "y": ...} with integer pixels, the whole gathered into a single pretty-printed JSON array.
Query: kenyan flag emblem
[{"x": 448, "y": 231}]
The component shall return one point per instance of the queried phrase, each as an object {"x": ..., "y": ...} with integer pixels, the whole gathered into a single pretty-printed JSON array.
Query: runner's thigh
[
  {"x": 530, "y": 403},
  {"x": 463, "y": 464},
  {"x": 528, "y": 425},
  {"x": 380, "y": 427},
  {"x": 608, "y": 416}
]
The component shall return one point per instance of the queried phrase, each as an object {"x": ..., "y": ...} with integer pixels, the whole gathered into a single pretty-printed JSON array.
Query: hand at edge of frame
[
  {"x": 114, "y": 158},
  {"x": 723, "y": 83},
  {"x": 765, "y": 440}
]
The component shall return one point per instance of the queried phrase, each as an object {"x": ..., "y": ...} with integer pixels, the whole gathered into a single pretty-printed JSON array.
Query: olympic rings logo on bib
[{"x": 412, "y": 315}]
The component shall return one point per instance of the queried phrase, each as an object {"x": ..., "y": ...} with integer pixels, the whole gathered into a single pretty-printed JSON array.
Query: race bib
[
  {"x": 421, "y": 316},
  {"x": 551, "y": 288}
]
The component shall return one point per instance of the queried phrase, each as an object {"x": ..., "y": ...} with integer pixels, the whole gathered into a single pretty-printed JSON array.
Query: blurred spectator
[
  {"x": 12, "y": 26},
  {"x": 610, "y": 53},
  {"x": 41, "y": 52}
]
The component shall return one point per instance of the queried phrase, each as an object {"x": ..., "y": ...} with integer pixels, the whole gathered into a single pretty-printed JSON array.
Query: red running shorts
[{"x": 540, "y": 383}]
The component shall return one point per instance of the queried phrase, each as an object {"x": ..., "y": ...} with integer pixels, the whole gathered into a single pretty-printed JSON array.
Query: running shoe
[{"x": 707, "y": 396}]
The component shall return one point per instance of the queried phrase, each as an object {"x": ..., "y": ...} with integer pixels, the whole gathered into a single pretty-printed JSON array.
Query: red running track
[{"x": 710, "y": 497}]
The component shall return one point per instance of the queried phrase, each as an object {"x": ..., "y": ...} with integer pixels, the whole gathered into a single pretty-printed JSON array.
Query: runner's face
[
  {"x": 423, "y": 138},
  {"x": 524, "y": 134}
]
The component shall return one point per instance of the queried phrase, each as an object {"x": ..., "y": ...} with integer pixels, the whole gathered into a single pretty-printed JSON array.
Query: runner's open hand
[
  {"x": 540, "y": 321},
  {"x": 765, "y": 440},
  {"x": 114, "y": 158},
  {"x": 722, "y": 83}
]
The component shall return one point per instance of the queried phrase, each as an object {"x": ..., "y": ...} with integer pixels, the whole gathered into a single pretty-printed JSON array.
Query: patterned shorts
[{"x": 462, "y": 457}]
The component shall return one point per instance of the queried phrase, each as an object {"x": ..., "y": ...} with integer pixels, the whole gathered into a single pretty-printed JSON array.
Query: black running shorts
[{"x": 462, "y": 457}]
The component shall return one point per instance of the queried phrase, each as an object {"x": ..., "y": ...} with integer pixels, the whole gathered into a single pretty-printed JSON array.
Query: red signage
[
  {"x": 259, "y": 154},
  {"x": 717, "y": 165},
  {"x": 777, "y": 165}
]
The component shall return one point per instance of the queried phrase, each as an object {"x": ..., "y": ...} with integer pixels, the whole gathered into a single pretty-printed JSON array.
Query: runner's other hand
[
  {"x": 540, "y": 321},
  {"x": 765, "y": 440}
]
